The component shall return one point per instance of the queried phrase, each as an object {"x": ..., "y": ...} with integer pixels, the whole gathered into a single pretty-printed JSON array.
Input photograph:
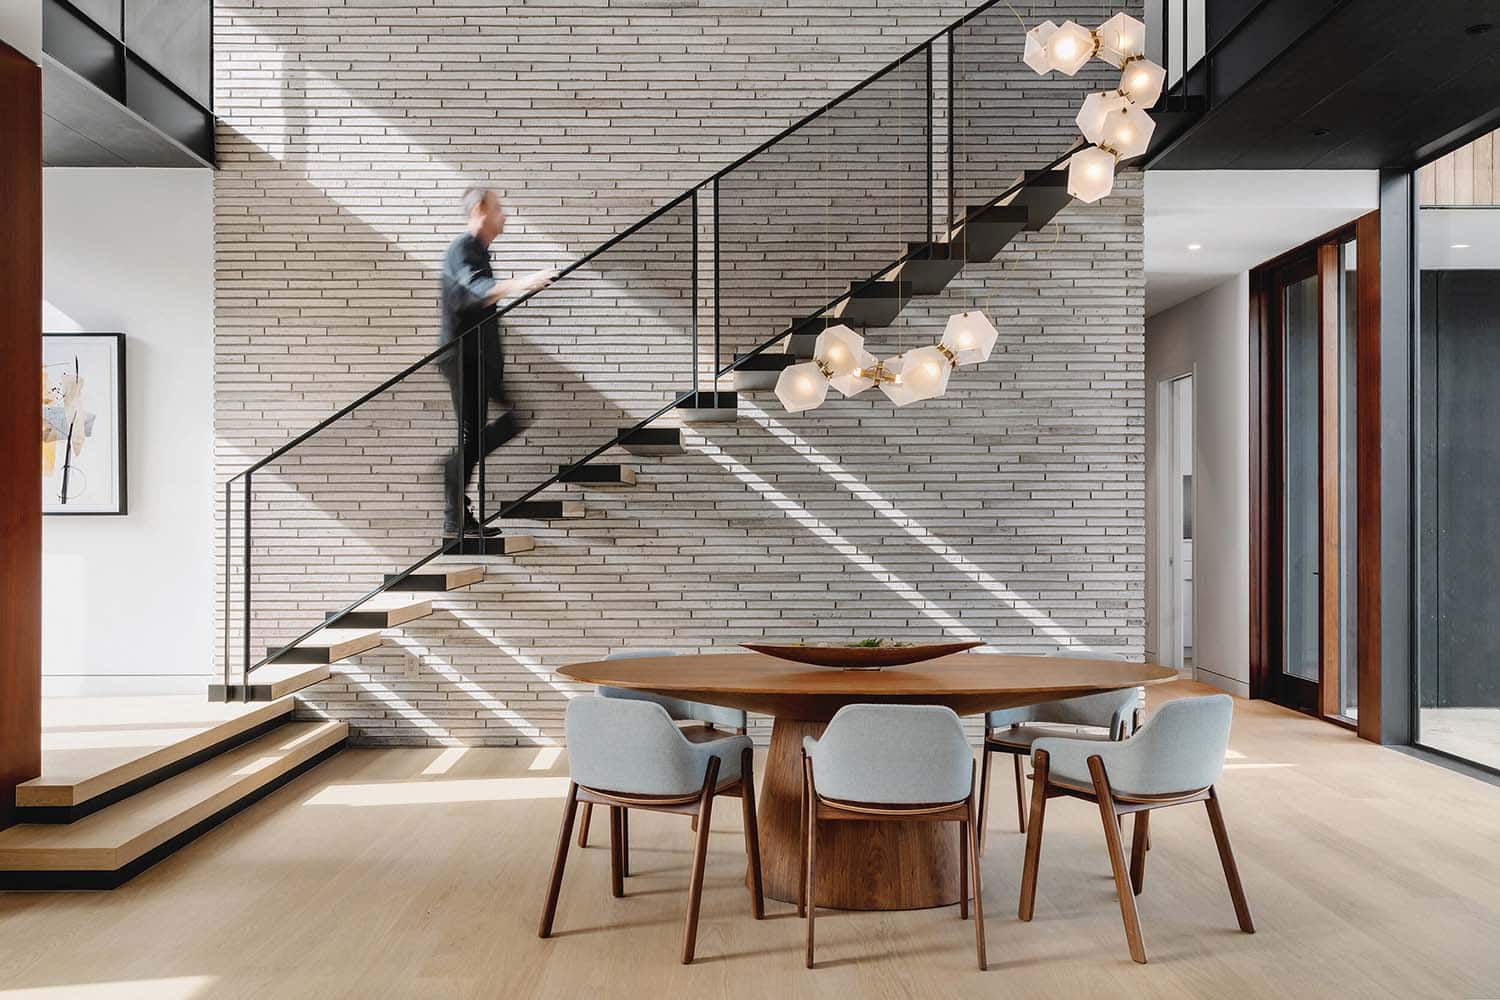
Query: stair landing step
[
  {"x": 273, "y": 681},
  {"x": 433, "y": 581},
  {"x": 102, "y": 850},
  {"x": 95, "y": 751}
]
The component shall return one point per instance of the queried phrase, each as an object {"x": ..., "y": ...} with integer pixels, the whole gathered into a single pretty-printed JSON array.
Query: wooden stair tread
[
  {"x": 329, "y": 645},
  {"x": 384, "y": 610},
  {"x": 79, "y": 763},
  {"x": 122, "y": 832},
  {"x": 438, "y": 580},
  {"x": 277, "y": 680}
]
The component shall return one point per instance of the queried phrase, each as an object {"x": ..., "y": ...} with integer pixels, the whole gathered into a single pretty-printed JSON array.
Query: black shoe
[{"x": 471, "y": 529}]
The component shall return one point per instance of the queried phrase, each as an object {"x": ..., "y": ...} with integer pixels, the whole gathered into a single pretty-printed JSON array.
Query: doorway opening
[{"x": 1175, "y": 517}]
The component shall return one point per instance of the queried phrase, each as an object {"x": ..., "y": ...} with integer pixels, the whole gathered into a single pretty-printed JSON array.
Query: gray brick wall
[{"x": 1011, "y": 510}]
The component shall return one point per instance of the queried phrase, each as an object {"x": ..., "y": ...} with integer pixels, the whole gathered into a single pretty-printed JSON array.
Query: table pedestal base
[{"x": 861, "y": 866}]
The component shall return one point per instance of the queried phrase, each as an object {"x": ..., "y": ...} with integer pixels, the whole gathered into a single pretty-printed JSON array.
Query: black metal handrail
[{"x": 952, "y": 220}]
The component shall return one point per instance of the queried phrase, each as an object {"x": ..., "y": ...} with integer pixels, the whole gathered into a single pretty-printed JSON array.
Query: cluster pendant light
[
  {"x": 1119, "y": 128},
  {"x": 1115, "y": 121}
]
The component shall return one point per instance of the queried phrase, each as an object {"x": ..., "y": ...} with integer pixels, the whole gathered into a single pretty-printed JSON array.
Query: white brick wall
[{"x": 1011, "y": 510}]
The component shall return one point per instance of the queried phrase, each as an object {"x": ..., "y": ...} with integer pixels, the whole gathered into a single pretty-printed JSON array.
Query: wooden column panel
[
  {"x": 1367, "y": 460},
  {"x": 20, "y": 426},
  {"x": 1329, "y": 283}
]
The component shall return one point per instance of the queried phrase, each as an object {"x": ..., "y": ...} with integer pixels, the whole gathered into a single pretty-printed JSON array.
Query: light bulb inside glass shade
[
  {"x": 1096, "y": 109},
  {"x": 1069, "y": 48},
  {"x": 1122, "y": 37},
  {"x": 1127, "y": 131},
  {"x": 1142, "y": 81},
  {"x": 970, "y": 336},
  {"x": 1091, "y": 174},
  {"x": 1035, "y": 55},
  {"x": 922, "y": 374},
  {"x": 841, "y": 350},
  {"x": 801, "y": 387}
]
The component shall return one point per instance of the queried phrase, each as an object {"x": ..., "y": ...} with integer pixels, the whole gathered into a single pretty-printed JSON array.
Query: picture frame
[{"x": 83, "y": 424}]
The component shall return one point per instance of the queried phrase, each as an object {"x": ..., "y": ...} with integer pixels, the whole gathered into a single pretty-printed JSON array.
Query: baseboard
[{"x": 46, "y": 881}]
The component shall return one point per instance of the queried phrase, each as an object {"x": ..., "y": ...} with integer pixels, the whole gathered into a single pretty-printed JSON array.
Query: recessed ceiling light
[
  {"x": 1477, "y": 29},
  {"x": 1195, "y": 246},
  {"x": 1458, "y": 246},
  {"x": 1318, "y": 132}
]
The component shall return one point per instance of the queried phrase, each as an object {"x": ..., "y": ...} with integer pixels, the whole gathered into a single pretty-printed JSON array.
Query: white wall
[
  {"x": 128, "y": 601},
  {"x": 21, "y": 26},
  {"x": 1208, "y": 336}
]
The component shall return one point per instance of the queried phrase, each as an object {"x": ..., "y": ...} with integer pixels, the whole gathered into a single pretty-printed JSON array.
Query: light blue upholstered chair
[
  {"x": 1173, "y": 759},
  {"x": 904, "y": 763},
  {"x": 680, "y": 710},
  {"x": 627, "y": 754},
  {"x": 1012, "y": 731}
]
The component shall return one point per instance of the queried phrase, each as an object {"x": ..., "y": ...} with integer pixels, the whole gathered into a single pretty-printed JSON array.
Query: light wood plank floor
[{"x": 420, "y": 873}]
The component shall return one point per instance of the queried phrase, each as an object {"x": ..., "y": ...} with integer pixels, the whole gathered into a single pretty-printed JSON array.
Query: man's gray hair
[{"x": 473, "y": 198}]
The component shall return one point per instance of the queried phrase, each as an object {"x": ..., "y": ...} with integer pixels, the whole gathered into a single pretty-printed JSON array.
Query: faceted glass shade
[
  {"x": 897, "y": 392},
  {"x": 1122, "y": 37},
  {"x": 1096, "y": 108},
  {"x": 970, "y": 336},
  {"x": 1069, "y": 48},
  {"x": 1036, "y": 47},
  {"x": 1091, "y": 174},
  {"x": 841, "y": 350},
  {"x": 801, "y": 387},
  {"x": 1142, "y": 81},
  {"x": 1127, "y": 131},
  {"x": 924, "y": 374}
]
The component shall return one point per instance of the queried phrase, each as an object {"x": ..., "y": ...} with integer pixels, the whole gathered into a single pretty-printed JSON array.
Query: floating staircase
[
  {"x": 100, "y": 814},
  {"x": 954, "y": 236}
]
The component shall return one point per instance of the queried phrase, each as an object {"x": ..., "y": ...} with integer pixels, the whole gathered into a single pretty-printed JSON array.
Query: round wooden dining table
[{"x": 861, "y": 866}]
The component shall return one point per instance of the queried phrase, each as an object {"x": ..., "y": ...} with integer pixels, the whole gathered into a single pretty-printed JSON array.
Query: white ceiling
[{"x": 1239, "y": 218}]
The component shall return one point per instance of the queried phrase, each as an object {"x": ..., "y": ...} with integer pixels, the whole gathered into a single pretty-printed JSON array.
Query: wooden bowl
[{"x": 860, "y": 657}]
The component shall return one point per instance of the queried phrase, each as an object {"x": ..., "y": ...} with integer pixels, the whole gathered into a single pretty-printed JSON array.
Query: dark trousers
[{"x": 473, "y": 388}]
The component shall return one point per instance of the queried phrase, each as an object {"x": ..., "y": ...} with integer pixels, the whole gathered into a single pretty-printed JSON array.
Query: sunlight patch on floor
[
  {"x": 175, "y": 988},
  {"x": 426, "y": 793}
]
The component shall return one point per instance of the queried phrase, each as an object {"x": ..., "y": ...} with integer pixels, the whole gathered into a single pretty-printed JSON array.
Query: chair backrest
[
  {"x": 1181, "y": 748},
  {"x": 1106, "y": 710},
  {"x": 893, "y": 755},
  {"x": 678, "y": 708},
  {"x": 625, "y": 745}
]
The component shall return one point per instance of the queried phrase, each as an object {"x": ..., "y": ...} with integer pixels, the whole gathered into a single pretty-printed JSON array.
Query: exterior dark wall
[
  {"x": 1460, "y": 488},
  {"x": 20, "y": 440}
]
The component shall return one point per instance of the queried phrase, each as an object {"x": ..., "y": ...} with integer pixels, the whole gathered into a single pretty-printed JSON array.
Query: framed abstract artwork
[{"x": 83, "y": 423}]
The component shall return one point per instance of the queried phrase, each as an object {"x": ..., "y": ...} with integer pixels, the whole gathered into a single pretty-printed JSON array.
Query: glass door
[{"x": 1309, "y": 342}]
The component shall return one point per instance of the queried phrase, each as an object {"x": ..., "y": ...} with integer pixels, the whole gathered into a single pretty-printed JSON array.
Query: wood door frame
[
  {"x": 1267, "y": 480},
  {"x": 20, "y": 444}
]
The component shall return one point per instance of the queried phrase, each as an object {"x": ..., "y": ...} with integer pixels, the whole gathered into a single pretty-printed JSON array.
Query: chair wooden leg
[
  {"x": 700, "y": 857},
  {"x": 1034, "y": 836},
  {"x": 973, "y": 862},
  {"x": 1139, "y": 832},
  {"x": 1226, "y": 858},
  {"x": 752, "y": 834},
  {"x": 811, "y": 876},
  {"x": 559, "y": 861},
  {"x": 1020, "y": 791},
  {"x": 1117, "y": 862},
  {"x": 624, "y": 842},
  {"x": 963, "y": 870},
  {"x": 583, "y": 824},
  {"x": 984, "y": 796},
  {"x": 616, "y": 853},
  {"x": 802, "y": 825}
]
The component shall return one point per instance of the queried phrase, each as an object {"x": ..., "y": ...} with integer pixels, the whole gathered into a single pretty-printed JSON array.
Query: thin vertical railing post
[
  {"x": 228, "y": 579},
  {"x": 952, "y": 181},
  {"x": 717, "y": 331},
  {"x": 461, "y": 455},
  {"x": 693, "y": 245},
  {"x": 930, "y": 151},
  {"x": 245, "y": 662},
  {"x": 481, "y": 412}
]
